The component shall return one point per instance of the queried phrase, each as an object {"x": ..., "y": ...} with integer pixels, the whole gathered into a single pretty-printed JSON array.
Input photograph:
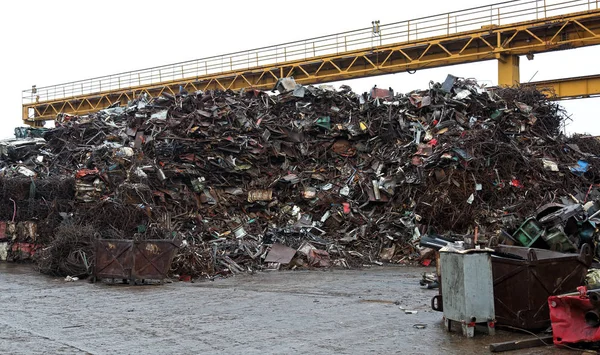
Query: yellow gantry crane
[{"x": 502, "y": 32}]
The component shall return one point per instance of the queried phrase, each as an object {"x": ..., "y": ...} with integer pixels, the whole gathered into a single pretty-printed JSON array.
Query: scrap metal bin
[
  {"x": 468, "y": 290},
  {"x": 525, "y": 277},
  {"x": 133, "y": 260}
]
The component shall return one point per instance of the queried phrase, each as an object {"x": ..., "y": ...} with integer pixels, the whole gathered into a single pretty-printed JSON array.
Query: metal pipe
[
  {"x": 594, "y": 299},
  {"x": 433, "y": 242},
  {"x": 592, "y": 318},
  {"x": 577, "y": 293}
]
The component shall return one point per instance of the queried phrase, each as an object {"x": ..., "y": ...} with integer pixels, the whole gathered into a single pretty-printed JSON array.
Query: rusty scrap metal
[{"x": 359, "y": 177}]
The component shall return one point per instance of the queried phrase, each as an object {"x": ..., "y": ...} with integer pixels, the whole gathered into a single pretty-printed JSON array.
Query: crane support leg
[{"x": 508, "y": 70}]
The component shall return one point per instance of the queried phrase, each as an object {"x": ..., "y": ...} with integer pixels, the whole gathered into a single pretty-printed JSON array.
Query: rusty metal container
[
  {"x": 133, "y": 260},
  {"x": 525, "y": 277}
]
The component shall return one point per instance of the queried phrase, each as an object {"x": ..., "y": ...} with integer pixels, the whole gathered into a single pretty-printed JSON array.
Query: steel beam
[{"x": 570, "y": 88}]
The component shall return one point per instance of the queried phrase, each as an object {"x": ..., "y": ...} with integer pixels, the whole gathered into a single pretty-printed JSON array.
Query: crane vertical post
[
  {"x": 26, "y": 112},
  {"x": 508, "y": 70}
]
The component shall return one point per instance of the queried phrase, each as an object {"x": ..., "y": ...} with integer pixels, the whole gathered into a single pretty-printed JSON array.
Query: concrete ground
[{"x": 291, "y": 312}]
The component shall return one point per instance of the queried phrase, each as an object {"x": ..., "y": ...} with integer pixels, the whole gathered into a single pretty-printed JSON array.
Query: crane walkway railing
[{"x": 370, "y": 37}]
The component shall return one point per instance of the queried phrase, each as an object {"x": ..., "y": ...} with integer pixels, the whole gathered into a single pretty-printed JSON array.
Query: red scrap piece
[
  {"x": 567, "y": 314},
  {"x": 24, "y": 250},
  {"x": 190, "y": 157},
  {"x": 343, "y": 148},
  {"x": 381, "y": 93},
  {"x": 516, "y": 183},
  {"x": 346, "y": 206},
  {"x": 318, "y": 258},
  {"x": 85, "y": 172}
]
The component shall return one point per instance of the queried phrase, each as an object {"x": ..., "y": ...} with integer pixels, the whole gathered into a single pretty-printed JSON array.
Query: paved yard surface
[{"x": 299, "y": 312}]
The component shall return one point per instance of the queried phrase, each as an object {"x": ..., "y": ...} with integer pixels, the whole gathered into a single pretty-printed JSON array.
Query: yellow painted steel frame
[
  {"x": 503, "y": 43},
  {"x": 571, "y": 88}
]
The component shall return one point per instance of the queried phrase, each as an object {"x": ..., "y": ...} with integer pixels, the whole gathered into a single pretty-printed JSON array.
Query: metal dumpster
[
  {"x": 471, "y": 300},
  {"x": 133, "y": 260},
  {"x": 525, "y": 277}
]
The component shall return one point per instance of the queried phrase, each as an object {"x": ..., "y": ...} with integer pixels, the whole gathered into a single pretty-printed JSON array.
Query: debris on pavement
[
  {"x": 429, "y": 280},
  {"x": 521, "y": 344}
]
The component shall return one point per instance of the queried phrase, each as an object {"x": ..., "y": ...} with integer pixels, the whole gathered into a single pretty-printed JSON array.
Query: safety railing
[{"x": 377, "y": 35}]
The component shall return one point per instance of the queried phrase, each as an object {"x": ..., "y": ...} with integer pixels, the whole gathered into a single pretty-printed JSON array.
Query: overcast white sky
[{"x": 52, "y": 42}]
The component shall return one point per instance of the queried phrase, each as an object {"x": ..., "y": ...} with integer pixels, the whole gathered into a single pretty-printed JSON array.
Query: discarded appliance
[{"x": 557, "y": 227}]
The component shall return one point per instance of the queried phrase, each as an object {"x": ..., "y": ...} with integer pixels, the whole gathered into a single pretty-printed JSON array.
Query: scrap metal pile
[{"x": 341, "y": 178}]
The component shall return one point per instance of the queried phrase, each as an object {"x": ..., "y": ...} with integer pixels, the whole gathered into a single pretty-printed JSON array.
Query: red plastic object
[
  {"x": 346, "y": 206},
  {"x": 567, "y": 314}
]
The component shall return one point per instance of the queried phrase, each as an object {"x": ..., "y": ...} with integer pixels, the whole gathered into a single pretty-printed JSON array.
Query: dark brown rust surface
[
  {"x": 113, "y": 259},
  {"x": 522, "y": 287},
  {"x": 133, "y": 260}
]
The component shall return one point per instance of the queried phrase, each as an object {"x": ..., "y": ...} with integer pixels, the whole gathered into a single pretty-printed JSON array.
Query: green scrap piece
[
  {"x": 496, "y": 114},
  {"x": 324, "y": 122}
]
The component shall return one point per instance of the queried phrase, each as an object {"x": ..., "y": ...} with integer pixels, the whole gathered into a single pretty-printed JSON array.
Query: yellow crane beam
[
  {"x": 570, "y": 88},
  {"x": 483, "y": 33}
]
